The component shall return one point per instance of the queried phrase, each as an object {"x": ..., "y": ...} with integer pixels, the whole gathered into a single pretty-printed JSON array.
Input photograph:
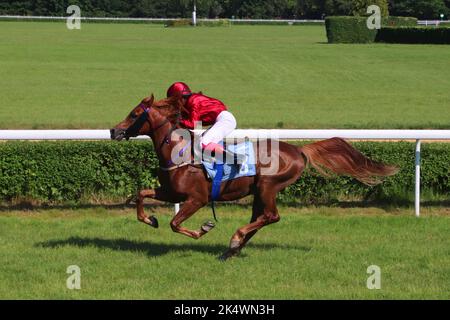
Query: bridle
[
  {"x": 133, "y": 129},
  {"x": 136, "y": 126}
]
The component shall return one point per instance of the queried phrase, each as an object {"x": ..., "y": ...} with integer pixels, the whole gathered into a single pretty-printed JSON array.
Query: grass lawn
[
  {"x": 269, "y": 76},
  {"x": 311, "y": 253}
]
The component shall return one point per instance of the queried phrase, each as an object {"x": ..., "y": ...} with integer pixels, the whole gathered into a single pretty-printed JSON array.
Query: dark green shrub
[
  {"x": 392, "y": 21},
  {"x": 84, "y": 20},
  {"x": 179, "y": 23},
  {"x": 348, "y": 29},
  {"x": 214, "y": 23},
  {"x": 351, "y": 29},
  {"x": 275, "y": 23},
  {"x": 61, "y": 171},
  {"x": 200, "y": 23},
  {"x": 420, "y": 35},
  {"x": 435, "y": 176},
  {"x": 84, "y": 171}
]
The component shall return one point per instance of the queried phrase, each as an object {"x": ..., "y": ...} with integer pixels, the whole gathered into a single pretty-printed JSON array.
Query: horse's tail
[{"x": 337, "y": 156}]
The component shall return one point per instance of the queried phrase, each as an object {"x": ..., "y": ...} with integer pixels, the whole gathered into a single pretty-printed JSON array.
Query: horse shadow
[{"x": 155, "y": 249}]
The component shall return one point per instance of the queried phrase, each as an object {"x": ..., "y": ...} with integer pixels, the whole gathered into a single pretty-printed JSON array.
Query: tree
[
  {"x": 360, "y": 7},
  {"x": 338, "y": 7},
  {"x": 422, "y": 9}
]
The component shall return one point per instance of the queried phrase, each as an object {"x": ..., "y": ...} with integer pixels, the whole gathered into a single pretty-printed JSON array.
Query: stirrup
[{"x": 238, "y": 158}]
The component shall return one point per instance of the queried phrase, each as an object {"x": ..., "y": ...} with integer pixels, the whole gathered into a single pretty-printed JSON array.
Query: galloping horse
[{"x": 188, "y": 183}]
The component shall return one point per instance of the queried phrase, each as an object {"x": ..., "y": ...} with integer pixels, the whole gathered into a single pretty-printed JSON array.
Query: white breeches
[{"x": 225, "y": 124}]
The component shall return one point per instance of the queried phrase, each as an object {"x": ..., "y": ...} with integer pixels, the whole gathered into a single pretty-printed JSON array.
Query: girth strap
[{"x": 216, "y": 183}]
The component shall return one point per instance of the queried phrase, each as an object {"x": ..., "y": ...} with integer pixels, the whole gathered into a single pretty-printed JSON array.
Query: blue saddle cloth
[{"x": 230, "y": 170}]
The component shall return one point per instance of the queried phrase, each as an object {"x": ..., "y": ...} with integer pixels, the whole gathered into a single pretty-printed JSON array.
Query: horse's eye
[{"x": 133, "y": 115}]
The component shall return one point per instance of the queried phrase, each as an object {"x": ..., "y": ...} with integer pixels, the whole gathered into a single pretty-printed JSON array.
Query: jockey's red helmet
[{"x": 179, "y": 88}]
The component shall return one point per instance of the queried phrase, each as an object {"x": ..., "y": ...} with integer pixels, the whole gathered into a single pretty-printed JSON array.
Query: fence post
[
  {"x": 194, "y": 15},
  {"x": 417, "y": 184},
  {"x": 177, "y": 207}
]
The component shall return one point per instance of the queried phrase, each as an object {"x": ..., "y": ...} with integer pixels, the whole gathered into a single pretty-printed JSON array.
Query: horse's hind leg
[
  {"x": 257, "y": 210},
  {"x": 264, "y": 212}
]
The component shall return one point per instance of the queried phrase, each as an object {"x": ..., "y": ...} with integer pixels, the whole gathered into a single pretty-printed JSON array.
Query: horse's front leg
[
  {"x": 187, "y": 210},
  {"x": 157, "y": 194}
]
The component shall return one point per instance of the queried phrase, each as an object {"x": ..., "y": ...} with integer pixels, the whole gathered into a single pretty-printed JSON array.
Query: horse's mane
[{"x": 171, "y": 108}]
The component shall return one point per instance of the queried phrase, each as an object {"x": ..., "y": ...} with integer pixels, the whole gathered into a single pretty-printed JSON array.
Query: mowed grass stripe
[
  {"x": 311, "y": 253},
  {"x": 268, "y": 75}
]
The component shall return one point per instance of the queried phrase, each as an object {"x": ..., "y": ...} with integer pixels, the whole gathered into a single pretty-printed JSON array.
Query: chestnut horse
[{"x": 189, "y": 184}]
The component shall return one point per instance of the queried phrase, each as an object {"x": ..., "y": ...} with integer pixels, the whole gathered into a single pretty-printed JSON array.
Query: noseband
[{"x": 133, "y": 130}]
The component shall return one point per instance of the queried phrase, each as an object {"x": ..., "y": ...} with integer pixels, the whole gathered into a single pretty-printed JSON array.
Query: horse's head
[{"x": 147, "y": 117}]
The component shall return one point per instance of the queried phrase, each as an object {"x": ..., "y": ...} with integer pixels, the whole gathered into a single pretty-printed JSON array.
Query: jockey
[{"x": 209, "y": 111}]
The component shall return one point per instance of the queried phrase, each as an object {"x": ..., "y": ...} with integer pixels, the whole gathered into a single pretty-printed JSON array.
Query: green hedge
[
  {"x": 275, "y": 23},
  {"x": 349, "y": 30},
  {"x": 435, "y": 176},
  {"x": 353, "y": 29},
  {"x": 57, "y": 172},
  {"x": 179, "y": 23},
  {"x": 421, "y": 35},
  {"x": 392, "y": 21},
  {"x": 66, "y": 171},
  {"x": 214, "y": 23},
  {"x": 63, "y": 20}
]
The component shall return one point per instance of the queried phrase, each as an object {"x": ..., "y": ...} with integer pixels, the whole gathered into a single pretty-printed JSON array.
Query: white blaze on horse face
[
  {"x": 374, "y": 21},
  {"x": 270, "y": 161},
  {"x": 181, "y": 152}
]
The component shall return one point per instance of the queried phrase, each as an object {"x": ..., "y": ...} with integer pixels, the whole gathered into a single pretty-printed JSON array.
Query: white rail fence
[
  {"x": 281, "y": 134},
  {"x": 115, "y": 19},
  {"x": 435, "y": 23}
]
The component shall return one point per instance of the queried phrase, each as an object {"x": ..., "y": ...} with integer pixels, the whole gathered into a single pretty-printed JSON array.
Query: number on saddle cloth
[{"x": 220, "y": 171}]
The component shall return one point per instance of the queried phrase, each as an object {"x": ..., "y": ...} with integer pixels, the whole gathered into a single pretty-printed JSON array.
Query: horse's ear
[
  {"x": 152, "y": 98},
  {"x": 149, "y": 100}
]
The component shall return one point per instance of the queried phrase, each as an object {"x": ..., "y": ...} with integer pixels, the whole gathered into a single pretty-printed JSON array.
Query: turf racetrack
[
  {"x": 311, "y": 253},
  {"x": 269, "y": 76}
]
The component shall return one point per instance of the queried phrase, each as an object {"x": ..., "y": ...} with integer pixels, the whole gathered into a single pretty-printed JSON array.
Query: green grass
[
  {"x": 269, "y": 76},
  {"x": 311, "y": 253}
]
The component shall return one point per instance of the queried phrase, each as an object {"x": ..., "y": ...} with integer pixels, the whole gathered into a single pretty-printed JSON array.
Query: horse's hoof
[
  {"x": 229, "y": 254},
  {"x": 154, "y": 222},
  {"x": 224, "y": 257},
  {"x": 207, "y": 226}
]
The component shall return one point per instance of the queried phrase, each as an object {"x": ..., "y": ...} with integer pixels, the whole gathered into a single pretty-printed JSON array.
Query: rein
[{"x": 134, "y": 129}]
